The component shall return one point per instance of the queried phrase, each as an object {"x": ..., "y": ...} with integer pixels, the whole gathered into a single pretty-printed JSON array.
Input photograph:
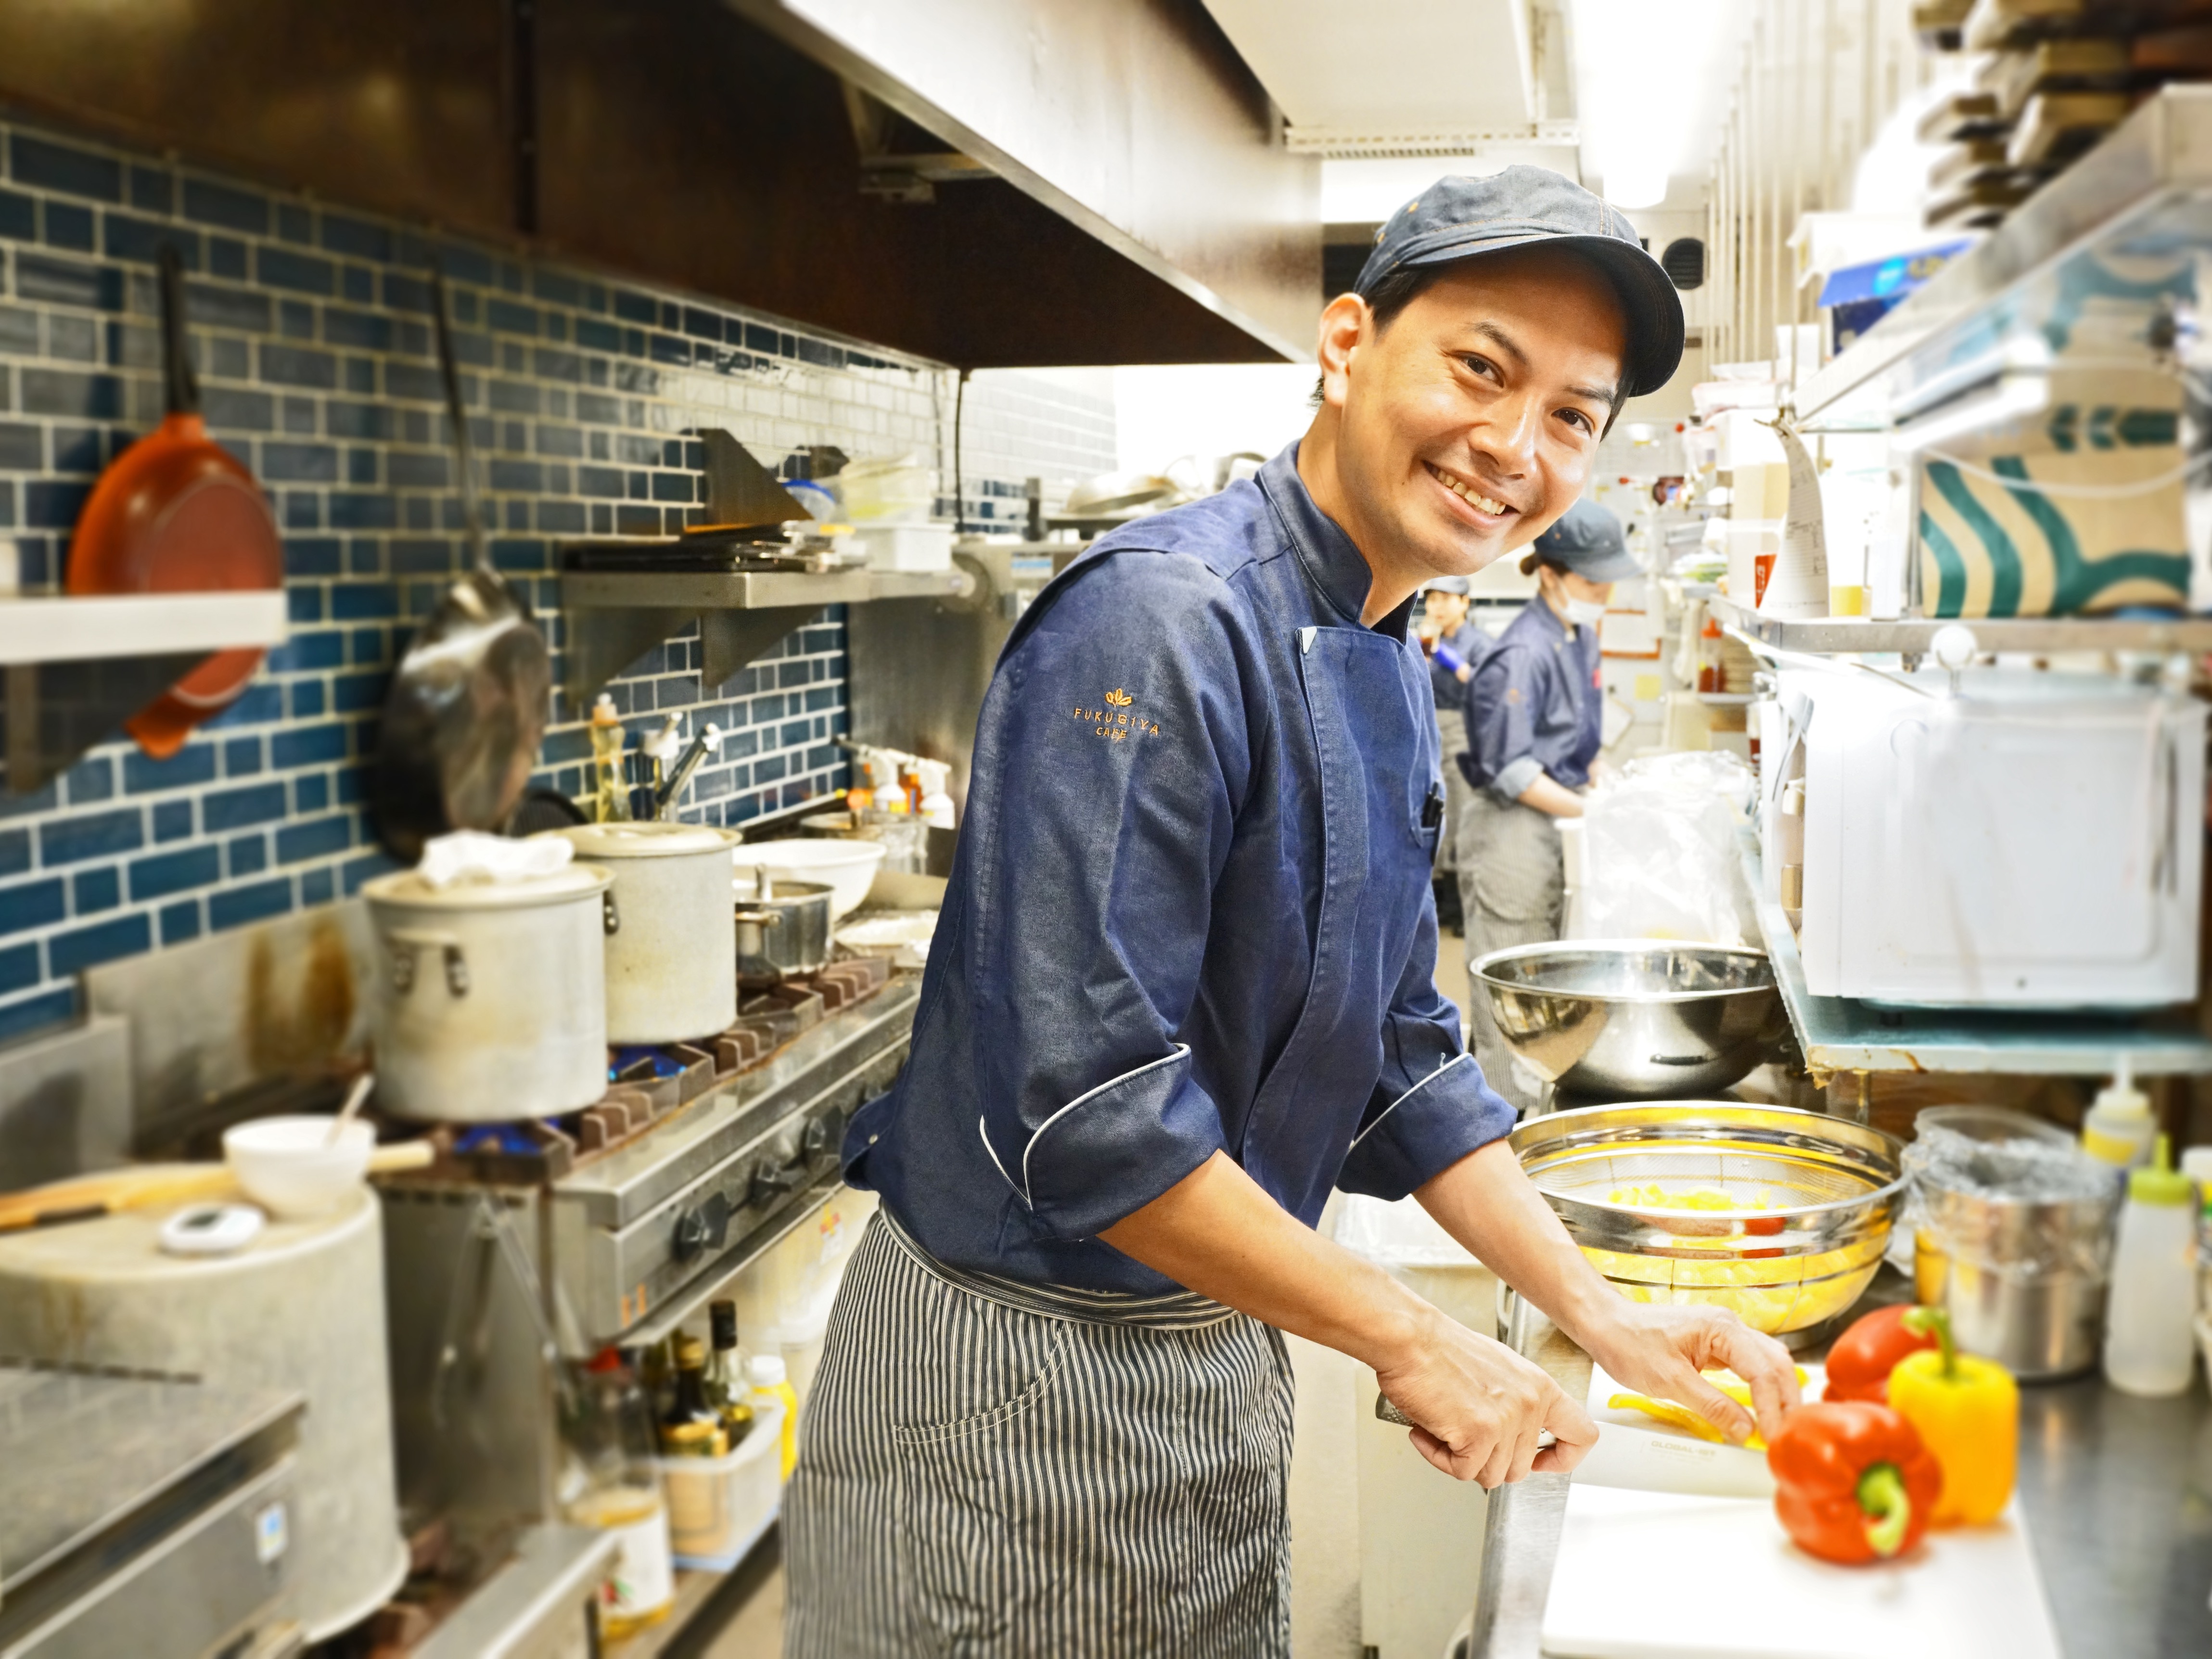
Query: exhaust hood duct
[
  {"x": 1024, "y": 183},
  {"x": 1134, "y": 120}
]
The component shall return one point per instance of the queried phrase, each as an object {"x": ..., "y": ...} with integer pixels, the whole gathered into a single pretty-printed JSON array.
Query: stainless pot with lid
[
  {"x": 671, "y": 970},
  {"x": 490, "y": 998},
  {"x": 783, "y": 928}
]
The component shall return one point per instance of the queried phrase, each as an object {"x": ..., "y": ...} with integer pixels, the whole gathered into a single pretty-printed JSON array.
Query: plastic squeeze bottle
[
  {"x": 2118, "y": 1127},
  {"x": 772, "y": 1382},
  {"x": 2149, "y": 1345}
]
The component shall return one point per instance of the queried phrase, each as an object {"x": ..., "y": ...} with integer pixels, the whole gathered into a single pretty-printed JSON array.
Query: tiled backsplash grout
[{"x": 311, "y": 331}]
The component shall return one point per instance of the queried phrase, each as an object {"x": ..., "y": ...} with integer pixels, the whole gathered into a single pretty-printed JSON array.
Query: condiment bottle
[
  {"x": 2147, "y": 1341},
  {"x": 610, "y": 796},
  {"x": 726, "y": 1384},
  {"x": 2196, "y": 1164},
  {"x": 609, "y": 1482},
  {"x": 772, "y": 1383},
  {"x": 688, "y": 1407},
  {"x": 2118, "y": 1127}
]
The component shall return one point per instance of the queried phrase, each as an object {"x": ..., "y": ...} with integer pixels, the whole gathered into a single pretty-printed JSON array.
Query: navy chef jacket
[
  {"x": 1190, "y": 910},
  {"x": 1534, "y": 706},
  {"x": 1473, "y": 645}
]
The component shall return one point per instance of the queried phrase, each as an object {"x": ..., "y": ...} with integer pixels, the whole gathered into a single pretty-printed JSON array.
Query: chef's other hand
[
  {"x": 1478, "y": 1407},
  {"x": 1659, "y": 1350}
]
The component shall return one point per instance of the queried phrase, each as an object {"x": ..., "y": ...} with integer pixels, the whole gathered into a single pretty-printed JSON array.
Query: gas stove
[
  {"x": 648, "y": 1083},
  {"x": 530, "y": 1242}
]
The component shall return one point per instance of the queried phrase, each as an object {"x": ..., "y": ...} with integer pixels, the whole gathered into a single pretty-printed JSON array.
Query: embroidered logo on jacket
[{"x": 1115, "y": 722}]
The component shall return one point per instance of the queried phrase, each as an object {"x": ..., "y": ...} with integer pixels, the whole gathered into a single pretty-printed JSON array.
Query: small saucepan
[{"x": 783, "y": 930}]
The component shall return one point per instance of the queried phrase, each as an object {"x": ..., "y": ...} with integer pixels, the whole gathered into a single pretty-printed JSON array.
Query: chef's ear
[{"x": 1344, "y": 327}]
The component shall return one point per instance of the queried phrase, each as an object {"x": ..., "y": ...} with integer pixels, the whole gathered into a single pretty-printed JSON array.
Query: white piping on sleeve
[
  {"x": 994, "y": 1153},
  {"x": 1181, "y": 1052},
  {"x": 1454, "y": 1060}
]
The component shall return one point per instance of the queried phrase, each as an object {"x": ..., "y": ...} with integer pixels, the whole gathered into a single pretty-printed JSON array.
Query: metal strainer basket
[{"x": 1780, "y": 1215}]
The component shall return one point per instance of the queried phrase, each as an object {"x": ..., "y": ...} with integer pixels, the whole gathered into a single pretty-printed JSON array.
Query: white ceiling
[
  {"x": 1652, "y": 79},
  {"x": 1388, "y": 66}
]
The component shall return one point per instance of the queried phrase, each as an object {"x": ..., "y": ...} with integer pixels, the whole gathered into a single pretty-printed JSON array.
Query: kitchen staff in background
[
  {"x": 1455, "y": 646},
  {"x": 1535, "y": 718},
  {"x": 1183, "y": 986}
]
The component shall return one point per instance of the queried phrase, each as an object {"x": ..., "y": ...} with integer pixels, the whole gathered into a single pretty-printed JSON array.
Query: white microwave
[{"x": 2033, "y": 840}]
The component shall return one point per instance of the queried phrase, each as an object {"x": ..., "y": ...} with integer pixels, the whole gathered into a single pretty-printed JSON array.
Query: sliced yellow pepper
[{"x": 1681, "y": 1417}]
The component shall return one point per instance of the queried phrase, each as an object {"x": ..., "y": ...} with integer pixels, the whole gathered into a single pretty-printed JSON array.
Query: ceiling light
[{"x": 1636, "y": 184}]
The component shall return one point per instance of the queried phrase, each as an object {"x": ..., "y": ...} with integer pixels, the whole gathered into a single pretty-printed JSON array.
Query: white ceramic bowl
[
  {"x": 847, "y": 867},
  {"x": 289, "y": 1167}
]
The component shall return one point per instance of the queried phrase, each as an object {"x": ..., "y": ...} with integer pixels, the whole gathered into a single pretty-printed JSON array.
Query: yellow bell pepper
[{"x": 1968, "y": 1411}]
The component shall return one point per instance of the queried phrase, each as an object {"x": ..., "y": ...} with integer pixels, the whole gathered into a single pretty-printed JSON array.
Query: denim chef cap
[
  {"x": 1458, "y": 218},
  {"x": 1587, "y": 539}
]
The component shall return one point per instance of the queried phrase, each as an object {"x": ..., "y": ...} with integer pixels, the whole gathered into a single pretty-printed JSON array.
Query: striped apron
[{"x": 993, "y": 1468}]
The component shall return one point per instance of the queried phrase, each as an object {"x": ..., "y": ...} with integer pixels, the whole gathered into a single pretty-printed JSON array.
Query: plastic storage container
[
  {"x": 908, "y": 547},
  {"x": 719, "y": 1507}
]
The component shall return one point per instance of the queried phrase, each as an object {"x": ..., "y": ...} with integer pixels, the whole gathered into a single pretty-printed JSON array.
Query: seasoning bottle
[
  {"x": 687, "y": 1408},
  {"x": 2147, "y": 1341},
  {"x": 771, "y": 1384},
  {"x": 2196, "y": 1164},
  {"x": 2118, "y": 1128},
  {"x": 610, "y": 796},
  {"x": 608, "y": 1480},
  {"x": 726, "y": 1384}
]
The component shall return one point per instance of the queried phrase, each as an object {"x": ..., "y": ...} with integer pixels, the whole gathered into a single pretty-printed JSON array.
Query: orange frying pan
[{"x": 176, "y": 514}]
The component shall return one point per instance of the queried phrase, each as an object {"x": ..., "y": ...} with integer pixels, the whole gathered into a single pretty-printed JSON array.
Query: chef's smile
[{"x": 1486, "y": 511}]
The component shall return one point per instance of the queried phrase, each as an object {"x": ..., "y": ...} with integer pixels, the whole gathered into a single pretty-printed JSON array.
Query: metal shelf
[
  {"x": 1840, "y": 1034},
  {"x": 2073, "y": 278},
  {"x": 74, "y": 668},
  {"x": 90, "y": 627},
  {"x": 751, "y": 590},
  {"x": 615, "y": 616},
  {"x": 2041, "y": 636}
]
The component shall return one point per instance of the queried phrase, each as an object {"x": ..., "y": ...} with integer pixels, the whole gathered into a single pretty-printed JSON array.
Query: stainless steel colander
[{"x": 1780, "y": 1215}]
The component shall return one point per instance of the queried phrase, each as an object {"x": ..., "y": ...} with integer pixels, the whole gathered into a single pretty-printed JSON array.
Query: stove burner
[{"x": 647, "y": 1082}]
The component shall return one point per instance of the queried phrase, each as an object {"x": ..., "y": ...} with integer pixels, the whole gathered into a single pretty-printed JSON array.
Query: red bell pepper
[
  {"x": 1860, "y": 1362},
  {"x": 1853, "y": 1482}
]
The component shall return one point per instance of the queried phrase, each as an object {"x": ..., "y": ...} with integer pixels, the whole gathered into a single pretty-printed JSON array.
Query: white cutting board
[{"x": 1686, "y": 1575}]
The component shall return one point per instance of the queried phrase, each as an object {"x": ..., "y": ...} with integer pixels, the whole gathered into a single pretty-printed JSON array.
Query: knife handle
[{"x": 1389, "y": 1413}]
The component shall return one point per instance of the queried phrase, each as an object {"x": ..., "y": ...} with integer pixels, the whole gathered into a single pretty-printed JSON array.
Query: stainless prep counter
[{"x": 2116, "y": 1492}]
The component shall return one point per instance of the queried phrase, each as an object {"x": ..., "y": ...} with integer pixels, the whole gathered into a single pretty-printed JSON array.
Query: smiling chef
[{"x": 1182, "y": 986}]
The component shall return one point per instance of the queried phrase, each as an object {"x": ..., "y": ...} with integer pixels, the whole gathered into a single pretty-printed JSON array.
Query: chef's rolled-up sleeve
[
  {"x": 1501, "y": 702},
  {"x": 1120, "y": 732},
  {"x": 1431, "y": 1107}
]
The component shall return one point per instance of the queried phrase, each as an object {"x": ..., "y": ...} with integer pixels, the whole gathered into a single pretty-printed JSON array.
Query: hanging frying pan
[
  {"x": 466, "y": 712},
  {"x": 176, "y": 514}
]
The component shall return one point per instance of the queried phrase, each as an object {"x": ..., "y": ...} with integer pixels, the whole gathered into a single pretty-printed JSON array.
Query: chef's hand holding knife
[{"x": 1480, "y": 1412}]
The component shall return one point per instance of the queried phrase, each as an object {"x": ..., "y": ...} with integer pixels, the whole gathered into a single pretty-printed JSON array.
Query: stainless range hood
[{"x": 991, "y": 183}]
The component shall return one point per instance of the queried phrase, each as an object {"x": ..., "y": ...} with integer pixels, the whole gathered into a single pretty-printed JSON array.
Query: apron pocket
[
  {"x": 1512, "y": 860},
  {"x": 976, "y": 1509}
]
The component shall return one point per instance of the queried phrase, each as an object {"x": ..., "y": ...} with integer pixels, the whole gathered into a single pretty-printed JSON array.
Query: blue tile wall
[{"x": 311, "y": 334}]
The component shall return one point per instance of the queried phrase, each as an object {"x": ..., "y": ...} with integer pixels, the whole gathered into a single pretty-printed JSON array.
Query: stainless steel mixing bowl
[
  {"x": 1781, "y": 1215},
  {"x": 1644, "y": 1018}
]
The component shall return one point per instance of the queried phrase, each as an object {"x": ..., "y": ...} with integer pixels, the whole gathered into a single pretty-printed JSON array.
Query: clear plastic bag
[
  {"x": 2019, "y": 1208},
  {"x": 1659, "y": 851}
]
